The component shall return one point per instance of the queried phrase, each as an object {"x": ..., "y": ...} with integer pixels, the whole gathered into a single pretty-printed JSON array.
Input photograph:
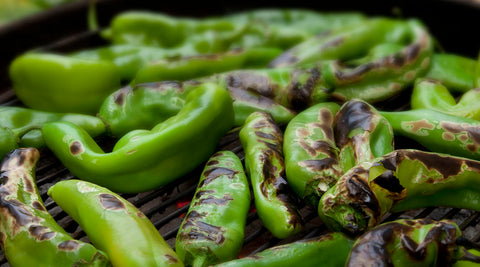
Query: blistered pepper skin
[
  {"x": 262, "y": 141},
  {"x": 213, "y": 228},
  {"x": 113, "y": 224},
  {"x": 143, "y": 160},
  {"x": 29, "y": 235}
]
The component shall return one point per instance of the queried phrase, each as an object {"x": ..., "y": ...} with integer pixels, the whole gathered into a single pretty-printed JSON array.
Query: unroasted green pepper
[
  {"x": 29, "y": 234},
  {"x": 262, "y": 141},
  {"x": 113, "y": 224},
  {"x": 213, "y": 229},
  {"x": 143, "y": 160},
  {"x": 454, "y": 71}
]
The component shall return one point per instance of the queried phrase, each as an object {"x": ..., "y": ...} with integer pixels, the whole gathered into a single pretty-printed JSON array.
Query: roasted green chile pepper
[
  {"x": 29, "y": 234},
  {"x": 311, "y": 155},
  {"x": 327, "y": 250},
  {"x": 454, "y": 71},
  {"x": 432, "y": 94},
  {"x": 58, "y": 83},
  {"x": 213, "y": 229},
  {"x": 113, "y": 224},
  {"x": 438, "y": 132},
  {"x": 262, "y": 141},
  {"x": 399, "y": 181},
  {"x": 143, "y": 160},
  {"x": 422, "y": 242}
]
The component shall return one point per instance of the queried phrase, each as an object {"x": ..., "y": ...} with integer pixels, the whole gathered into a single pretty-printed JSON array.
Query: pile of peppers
[{"x": 304, "y": 89}]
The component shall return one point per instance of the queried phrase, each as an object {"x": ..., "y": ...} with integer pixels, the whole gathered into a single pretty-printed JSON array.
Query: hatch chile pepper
[
  {"x": 113, "y": 224},
  {"x": 143, "y": 160},
  {"x": 311, "y": 155},
  {"x": 57, "y": 83},
  {"x": 422, "y": 242},
  {"x": 432, "y": 94},
  {"x": 399, "y": 181},
  {"x": 327, "y": 250},
  {"x": 437, "y": 131},
  {"x": 29, "y": 234},
  {"x": 262, "y": 141},
  {"x": 213, "y": 229}
]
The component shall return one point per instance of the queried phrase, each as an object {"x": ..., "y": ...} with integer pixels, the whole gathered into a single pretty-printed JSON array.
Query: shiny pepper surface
[{"x": 143, "y": 160}]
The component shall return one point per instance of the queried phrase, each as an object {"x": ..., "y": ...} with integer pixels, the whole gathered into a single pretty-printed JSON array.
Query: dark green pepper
[
  {"x": 422, "y": 242},
  {"x": 113, "y": 224},
  {"x": 327, "y": 250},
  {"x": 262, "y": 141},
  {"x": 143, "y": 160},
  {"x": 213, "y": 229},
  {"x": 29, "y": 234},
  {"x": 454, "y": 71},
  {"x": 311, "y": 155},
  {"x": 399, "y": 181}
]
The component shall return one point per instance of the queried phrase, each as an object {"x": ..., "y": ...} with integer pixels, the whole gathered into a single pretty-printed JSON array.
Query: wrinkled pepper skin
[
  {"x": 454, "y": 71},
  {"x": 399, "y": 181},
  {"x": 113, "y": 224},
  {"x": 432, "y": 94},
  {"x": 327, "y": 250},
  {"x": 422, "y": 242},
  {"x": 213, "y": 229},
  {"x": 143, "y": 160},
  {"x": 311, "y": 155},
  {"x": 361, "y": 134},
  {"x": 29, "y": 234},
  {"x": 437, "y": 131},
  {"x": 57, "y": 83},
  {"x": 262, "y": 141}
]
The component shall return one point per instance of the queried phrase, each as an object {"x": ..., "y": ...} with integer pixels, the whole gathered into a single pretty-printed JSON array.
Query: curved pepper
[
  {"x": 437, "y": 131},
  {"x": 327, "y": 250},
  {"x": 29, "y": 235},
  {"x": 262, "y": 141},
  {"x": 432, "y": 94},
  {"x": 399, "y": 181},
  {"x": 143, "y": 160},
  {"x": 213, "y": 229},
  {"x": 311, "y": 155},
  {"x": 113, "y": 224},
  {"x": 404, "y": 242},
  {"x": 59, "y": 83}
]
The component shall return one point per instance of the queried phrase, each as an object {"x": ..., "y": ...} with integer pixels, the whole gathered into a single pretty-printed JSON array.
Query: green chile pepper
[
  {"x": 432, "y": 94},
  {"x": 399, "y": 181},
  {"x": 143, "y": 160},
  {"x": 213, "y": 229},
  {"x": 113, "y": 224},
  {"x": 311, "y": 155},
  {"x": 59, "y": 83},
  {"x": 361, "y": 134},
  {"x": 467, "y": 262},
  {"x": 327, "y": 250},
  {"x": 437, "y": 131},
  {"x": 404, "y": 242},
  {"x": 262, "y": 141},
  {"x": 30, "y": 236}
]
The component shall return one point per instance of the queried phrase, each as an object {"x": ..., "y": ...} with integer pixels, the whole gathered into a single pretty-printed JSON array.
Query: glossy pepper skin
[
  {"x": 454, "y": 71},
  {"x": 262, "y": 141},
  {"x": 58, "y": 83},
  {"x": 143, "y": 160},
  {"x": 311, "y": 155},
  {"x": 422, "y": 242},
  {"x": 113, "y": 224},
  {"x": 21, "y": 127},
  {"x": 327, "y": 250},
  {"x": 432, "y": 94},
  {"x": 213, "y": 229},
  {"x": 399, "y": 181},
  {"x": 361, "y": 134},
  {"x": 437, "y": 131},
  {"x": 29, "y": 234}
]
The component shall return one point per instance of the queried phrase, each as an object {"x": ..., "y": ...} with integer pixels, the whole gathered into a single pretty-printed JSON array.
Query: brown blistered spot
[
  {"x": 302, "y": 132},
  {"x": 216, "y": 201},
  {"x": 419, "y": 125},
  {"x": 286, "y": 59},
  {"x": 29, "y": 187},
  {"x": 317, "y": 165},
  {"x": 201, "y": 230},
  {"x": 326, "y": 118},
  {"x": 248, "y": 80},
  {"x": 40, "y": 232},
  {"x": 17, "y": 211},
  {"x": 448, "y": 136},
  {"x": 111, "y": 202},
  {"x": 120, "y": 95},
  {"x": 140, "y": 214},
  {"x": 170, "y": 258},
  {"x": 473, "y": 165},
  {"x": 69, "y": 245},
  {"x": 38, "y": 206},
  {"x": 213, "y": 173},
  {"x": 473, "y": 132},
  {"x": 332, "y": 43},
  {"x": 265, "y": 135},
  {"x": 446, "y": 166},
  {"x": 390, "y": 160},
  {"x": 76, "y": 148},
  {"x": 472, "y": 148},
  {"x": 412, "y": 248},
  {"x": 463, "y": 138},
  {"x": 199, "y": 194},
  {"x": 359, "y": 191},
  {"x": 21, "y": 159},
  {"x": 298, "y": 93},
  {"x": 212, "y": 162},
  {"x": 389, "y": 181},
  {"x": 354, "y": 114},
  {"x": 253, "y": 98},
  {"x": 3, "y": 237}
]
